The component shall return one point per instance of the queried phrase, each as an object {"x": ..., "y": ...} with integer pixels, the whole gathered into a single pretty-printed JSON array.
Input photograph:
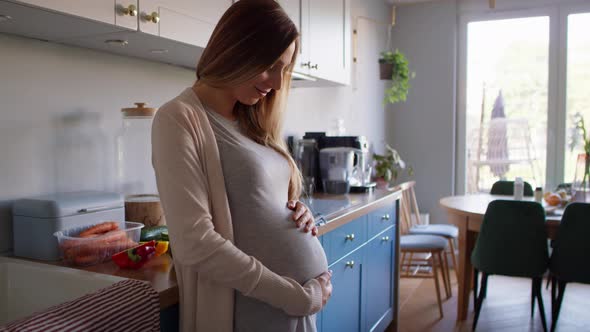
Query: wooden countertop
[{"x": 159, "y": 272}]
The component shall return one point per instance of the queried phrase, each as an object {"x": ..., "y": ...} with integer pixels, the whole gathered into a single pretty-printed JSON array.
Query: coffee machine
[{"x": 360, "y": 180}]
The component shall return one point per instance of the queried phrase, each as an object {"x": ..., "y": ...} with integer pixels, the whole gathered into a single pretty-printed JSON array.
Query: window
[
  {"x": 538, "y": 60},
  {"x": 507, "y": 87},
  {"x": 578, "y": 83}
]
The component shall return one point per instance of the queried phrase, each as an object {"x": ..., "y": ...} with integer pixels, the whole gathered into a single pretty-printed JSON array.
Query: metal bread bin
[{"x": 36, "y": 219}]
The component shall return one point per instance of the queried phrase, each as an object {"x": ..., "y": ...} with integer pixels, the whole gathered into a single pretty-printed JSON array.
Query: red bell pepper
[{"x": 134, "y": 258}]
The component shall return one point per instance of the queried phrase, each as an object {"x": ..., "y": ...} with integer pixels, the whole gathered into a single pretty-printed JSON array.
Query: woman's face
[{"x": 250, "y": 92}]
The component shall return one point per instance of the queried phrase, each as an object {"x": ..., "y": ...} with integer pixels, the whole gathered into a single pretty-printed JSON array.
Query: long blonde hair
[{"x": 248, "y": 39}]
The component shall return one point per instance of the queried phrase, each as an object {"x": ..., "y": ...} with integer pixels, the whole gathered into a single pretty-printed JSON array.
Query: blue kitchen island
[{"x": 360, "y": 238}]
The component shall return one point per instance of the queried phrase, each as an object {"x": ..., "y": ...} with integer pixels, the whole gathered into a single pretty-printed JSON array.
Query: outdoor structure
[{"x": 501, "y": 143}]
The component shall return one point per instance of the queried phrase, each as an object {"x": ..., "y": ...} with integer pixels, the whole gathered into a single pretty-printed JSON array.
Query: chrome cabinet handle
[
  {"x": 350, "y": 264},
  {"x": 385, "y": 238},
  {"x": 385, "y": 217},
  {"x": 314, "y": 66},
  {"x": 306, "y": 64},
  {"x": 349, "y": 237}
]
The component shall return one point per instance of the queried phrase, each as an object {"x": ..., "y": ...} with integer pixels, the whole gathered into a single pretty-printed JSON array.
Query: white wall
[
  {"x": 41, "y": 82},
  {"x": 422, "y": 128}
]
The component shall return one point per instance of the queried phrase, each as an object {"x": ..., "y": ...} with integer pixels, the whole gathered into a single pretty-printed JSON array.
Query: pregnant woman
[{"x": 243, "y": 253}]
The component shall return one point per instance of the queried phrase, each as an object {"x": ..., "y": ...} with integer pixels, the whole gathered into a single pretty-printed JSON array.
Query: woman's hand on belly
[
  {"x": 326, "y": 283},
  {"x": 302, "y": 217}
]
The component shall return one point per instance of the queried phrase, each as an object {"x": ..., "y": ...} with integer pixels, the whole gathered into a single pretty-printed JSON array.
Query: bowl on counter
[{"x": 85, "y": 251}]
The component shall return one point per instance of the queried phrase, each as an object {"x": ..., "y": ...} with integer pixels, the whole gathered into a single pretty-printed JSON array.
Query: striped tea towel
[{"x": 129, "y": 305}]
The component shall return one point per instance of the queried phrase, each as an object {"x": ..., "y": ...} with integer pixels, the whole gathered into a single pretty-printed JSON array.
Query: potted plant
[
  {"x": 394, "y": 66},
  {"x": 389, "y": 166}
]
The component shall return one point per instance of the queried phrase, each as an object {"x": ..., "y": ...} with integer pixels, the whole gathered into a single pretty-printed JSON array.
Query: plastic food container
[
  {"x": 93, "y": 250},
  {"x": 36, "y": 219}
]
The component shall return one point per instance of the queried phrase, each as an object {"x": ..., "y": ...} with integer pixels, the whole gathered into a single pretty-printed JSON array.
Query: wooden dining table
[{"x": 466, "y": 212}]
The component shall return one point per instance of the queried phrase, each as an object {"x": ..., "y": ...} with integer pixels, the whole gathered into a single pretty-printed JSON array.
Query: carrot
[
  {"x": 100, "y": 228},
  {"x": 100, "y": 249},
  {"x": 92, "y": 240}
]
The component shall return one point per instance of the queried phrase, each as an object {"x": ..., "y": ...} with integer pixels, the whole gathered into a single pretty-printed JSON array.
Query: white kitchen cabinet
[
  {"x": 298, "y": 11},
  {"x": 329, "y": 40},
  {"x": 324, "y": 26},
  {"x": 186, "y": 21},
  {"x": 122, "y": 13}
]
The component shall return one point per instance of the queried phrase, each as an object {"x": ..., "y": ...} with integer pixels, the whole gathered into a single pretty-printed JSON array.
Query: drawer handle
[
  {"x": 350, "y": 264},
  {"x": 349, "y": 237},
  {"x": 130, "y": 10},
  {"x": 153, "y": 17},
  {"x": 385, "y": 238},
  {"x": 385, "y": 217},
  {"x": 306, "y": 64}
]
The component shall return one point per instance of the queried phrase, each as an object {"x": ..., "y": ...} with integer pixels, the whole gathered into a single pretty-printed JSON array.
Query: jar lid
[{"x": 140, "y": 110}]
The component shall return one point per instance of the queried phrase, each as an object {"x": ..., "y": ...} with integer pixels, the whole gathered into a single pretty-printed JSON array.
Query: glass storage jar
[{"x": 135, "y": 173}]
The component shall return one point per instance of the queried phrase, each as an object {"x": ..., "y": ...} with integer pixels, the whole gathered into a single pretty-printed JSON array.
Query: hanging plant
[{"x": 394, "y": 66}]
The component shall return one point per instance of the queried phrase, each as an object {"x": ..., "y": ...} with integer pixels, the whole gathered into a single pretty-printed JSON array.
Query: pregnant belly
[{"x": 279, "y": 245}]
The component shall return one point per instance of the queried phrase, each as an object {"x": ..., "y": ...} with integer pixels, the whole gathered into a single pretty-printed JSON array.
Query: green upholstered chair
[
  {"x": 569, "y": 260},
  {"x": 507, "y": 188},
  {"x": 512, "y": 242}
]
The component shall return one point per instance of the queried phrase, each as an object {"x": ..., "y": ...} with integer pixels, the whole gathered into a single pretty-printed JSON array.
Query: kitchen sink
[{"x": 27, "y": 287}]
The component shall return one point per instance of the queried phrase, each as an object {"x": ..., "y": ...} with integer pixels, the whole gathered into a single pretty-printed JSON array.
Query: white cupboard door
[
  {"x": 298, "y": 11},
  {"x": 187, "y": 21},
  {"x": 329, "y": 39},
  {"x": 98, "y": 10}
]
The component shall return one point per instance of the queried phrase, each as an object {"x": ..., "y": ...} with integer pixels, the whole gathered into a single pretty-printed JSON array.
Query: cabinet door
[
  {"x": 298, "y": 11},
  {"x": 99, "y": 10},
  {"x": 379, "y": 281},
  {"x": 329, "y": 40},
  {"x": 187, "y": 21},
  {"x": 342, "y": 313}
]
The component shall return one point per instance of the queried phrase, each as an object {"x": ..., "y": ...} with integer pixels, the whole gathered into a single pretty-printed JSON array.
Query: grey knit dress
[{"x": 257, "y": 181}]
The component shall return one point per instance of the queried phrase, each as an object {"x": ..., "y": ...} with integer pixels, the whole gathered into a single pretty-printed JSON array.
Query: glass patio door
[
  {"x": 507, "y": 100},
  {"x": 577, "y": 83}
]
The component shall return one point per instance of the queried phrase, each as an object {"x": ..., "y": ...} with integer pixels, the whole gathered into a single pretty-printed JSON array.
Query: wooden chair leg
[
  {"x": 401, "y": 263},
  {"x": 480, "y": 298},
  {"x": 454, "y": 257},
  {"x": 444, "y": 271},
  {"x": 436, "y": 285},
  {"x": 446, "y": 260}
]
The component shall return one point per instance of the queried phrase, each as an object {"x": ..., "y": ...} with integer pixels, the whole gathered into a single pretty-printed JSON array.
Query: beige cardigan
[{"x": 208, "y": 265}]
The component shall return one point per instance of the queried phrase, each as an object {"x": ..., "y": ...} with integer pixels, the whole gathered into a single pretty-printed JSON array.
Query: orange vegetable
[
  {"x": 553, "y": 199},
  {"x": 100, "y": 229}
]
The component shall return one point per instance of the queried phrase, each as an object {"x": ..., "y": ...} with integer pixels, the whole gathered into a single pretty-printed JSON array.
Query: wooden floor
[{"x": 506, "y": 308}]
